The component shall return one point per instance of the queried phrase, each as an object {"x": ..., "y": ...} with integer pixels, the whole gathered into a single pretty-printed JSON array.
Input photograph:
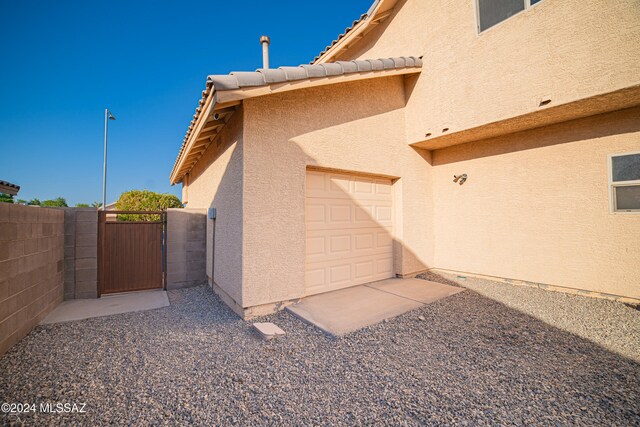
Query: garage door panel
[
  {"x": 349, "y": 228},
  {"x": 384, "y": 267},
  {"x": 333, "y": 213},
  {"x": 383, "y": 214},
  {"x": 315, "y": 278},
  {"x": 315, "y": 182},
  {"x": 341, "y": 273},
  {"x": 364, "y": 270},
  {"x": 315, "y": 214},
  {"x": 382, "y": 187},
  {"x": 340, "y": 244},
  {"x": 316, "y": 245},
  {"x": 339, "y": 185},
  {"x": 363, "y": 213},
  {"x": 336, "y": 258},
  {"x": 383, "y": 240},
  {"x": 330, "y": 244},
  {"x": 363, "y": 187},
  {"x": 340, "y": 213},
  {"x": 365, "y": 240}
]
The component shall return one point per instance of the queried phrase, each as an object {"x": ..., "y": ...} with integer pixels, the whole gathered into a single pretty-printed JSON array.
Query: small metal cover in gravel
[{"x": 268, "y": 330}]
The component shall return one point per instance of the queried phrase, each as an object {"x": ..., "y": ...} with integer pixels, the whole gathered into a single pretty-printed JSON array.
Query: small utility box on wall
[{"x": 211, "y": 213}]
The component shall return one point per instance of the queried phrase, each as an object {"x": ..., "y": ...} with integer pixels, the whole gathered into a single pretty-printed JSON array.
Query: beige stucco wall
[
  {"x": 354, "y": 127},
  {"x": 563, "y": 50},
  {"x": 536, "y": 207},
  {"x": 217, "y": 181}
]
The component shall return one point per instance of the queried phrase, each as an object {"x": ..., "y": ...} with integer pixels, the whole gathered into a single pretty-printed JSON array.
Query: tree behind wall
[
  {"x": 144, "y": 200},
  {"x": 59, "y": 202}
]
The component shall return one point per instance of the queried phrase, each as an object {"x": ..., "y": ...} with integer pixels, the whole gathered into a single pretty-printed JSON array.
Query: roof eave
[
  {"x": 252, "y": 92},
  {"x": 9, "y": 188},
  {"x": 378, "y": 11},
  {"x": 209, "y": 104},
  {"x": 208, "y": 128}
]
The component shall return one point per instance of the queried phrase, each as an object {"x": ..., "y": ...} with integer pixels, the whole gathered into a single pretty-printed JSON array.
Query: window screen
[
  {"x": 625, "y": 168},
  {"x": 534, "y": 2},
  {"x": 628, "y": 198},
  {"x": 492, "y": 12}
]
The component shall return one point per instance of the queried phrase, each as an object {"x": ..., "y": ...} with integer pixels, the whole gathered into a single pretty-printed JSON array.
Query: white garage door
[{"x": 349, "y": 230}]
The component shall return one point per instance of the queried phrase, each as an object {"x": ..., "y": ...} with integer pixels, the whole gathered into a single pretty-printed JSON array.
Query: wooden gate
[{"x": 131, "y": 251}]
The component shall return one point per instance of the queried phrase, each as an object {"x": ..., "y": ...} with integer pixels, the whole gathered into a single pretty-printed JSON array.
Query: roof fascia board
[
  {"x": 252, "y": 92},
  {"x": 209, "y": 105},
  {"x": 603, "y": 103},
  {"x": 9, "y": 189},
  {"x": 341, "y": 44},
  {"x": 357, "y": 32}
]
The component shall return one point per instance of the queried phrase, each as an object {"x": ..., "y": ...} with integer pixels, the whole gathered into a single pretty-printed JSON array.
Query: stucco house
[{"x": 493, "y": 138}]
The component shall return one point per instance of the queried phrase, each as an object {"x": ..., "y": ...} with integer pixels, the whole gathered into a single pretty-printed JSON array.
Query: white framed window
[
  {"x": 492, "y": 12},
  {"x": 624, "y": 182}
]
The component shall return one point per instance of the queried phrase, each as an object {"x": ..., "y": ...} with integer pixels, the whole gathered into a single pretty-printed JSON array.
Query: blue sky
[{"x": 63, "y": 62}]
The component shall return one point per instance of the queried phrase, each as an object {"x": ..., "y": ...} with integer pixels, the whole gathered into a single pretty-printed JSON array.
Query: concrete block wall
[
  {"x": 81, "y": 253},
  {"x": 31, "y": 268},
  {"x": 186, "y": 247}
]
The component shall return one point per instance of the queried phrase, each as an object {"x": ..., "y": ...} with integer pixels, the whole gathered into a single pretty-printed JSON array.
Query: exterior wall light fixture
[{"x": 460, "y": 179}]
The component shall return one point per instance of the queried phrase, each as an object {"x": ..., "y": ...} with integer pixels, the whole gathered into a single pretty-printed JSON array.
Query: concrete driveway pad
[
  {"x": 416, "y": 289},
  {"x": 347, "y": 310},
  {"x": 108, "y": 305}
]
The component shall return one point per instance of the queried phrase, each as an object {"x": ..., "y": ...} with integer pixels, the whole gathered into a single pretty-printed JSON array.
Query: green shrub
[
  {"x": 57, "y": 202},
  {"x": 145, "y": 200}
]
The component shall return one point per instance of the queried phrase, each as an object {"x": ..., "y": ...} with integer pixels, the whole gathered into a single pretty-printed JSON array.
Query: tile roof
[
  {"x": 264, "y": 77},
  {"x": 341, "y": 36},
  {"x": 378, "y": 11},
  {"x": 9, "y": 188}
]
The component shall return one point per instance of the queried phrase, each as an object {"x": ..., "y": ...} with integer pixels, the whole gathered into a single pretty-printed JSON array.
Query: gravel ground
[
  {"x": 579, "y": 315},
  {"x": 495, "y": 354}
]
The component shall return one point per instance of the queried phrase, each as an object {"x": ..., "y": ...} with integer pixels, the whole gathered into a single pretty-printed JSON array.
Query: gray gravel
[
  {"x": 495, "y": 354},
  {"x": 610, "y": 324}
]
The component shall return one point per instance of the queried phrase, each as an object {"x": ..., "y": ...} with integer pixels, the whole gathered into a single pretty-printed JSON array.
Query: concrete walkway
[
  {"x": 347, "y": 310},
  {"x": 106, "y": 306}
]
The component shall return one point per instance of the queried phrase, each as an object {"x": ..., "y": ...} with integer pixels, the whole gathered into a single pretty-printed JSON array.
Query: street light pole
[{"x": 107, "y": 116}]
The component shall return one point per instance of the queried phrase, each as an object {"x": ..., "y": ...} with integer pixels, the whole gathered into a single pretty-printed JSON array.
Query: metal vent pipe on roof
[{"x": 265, "y": 41}]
